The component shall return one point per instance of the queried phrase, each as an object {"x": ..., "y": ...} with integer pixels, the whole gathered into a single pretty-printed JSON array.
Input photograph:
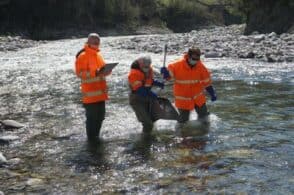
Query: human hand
[{"x": 164, "y": 72}]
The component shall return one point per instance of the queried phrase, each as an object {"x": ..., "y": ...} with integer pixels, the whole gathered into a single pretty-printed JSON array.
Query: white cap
[
  {"x": 93, "y": 35},
  {"x": 146, "y": 60}
]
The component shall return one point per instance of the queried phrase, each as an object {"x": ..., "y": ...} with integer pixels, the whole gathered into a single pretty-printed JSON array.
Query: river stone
[
  {"x": 272, "y": 34},
  {"x": 259, "y": 38},
  {"x": 12, "y": 124},
  {"x": 3, "y": 160},
  {"x": 34, "y": 182},
  {"x": 289, "y": 58},
  {"x": 14, "y": 161},
  {"x": 255, "y": 33},
  {"x": 244, "y": 38},
  {"x": 1, "y": 193},
  {"x": 9, "y": 138},
  {"x": 270, "y": 58},
  {"x": 250, "y": 55},
  {"x": 213, "y": 55}
]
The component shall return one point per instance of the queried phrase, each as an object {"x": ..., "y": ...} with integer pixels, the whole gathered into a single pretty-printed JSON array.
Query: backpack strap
[{"x": 79, "y": 53}]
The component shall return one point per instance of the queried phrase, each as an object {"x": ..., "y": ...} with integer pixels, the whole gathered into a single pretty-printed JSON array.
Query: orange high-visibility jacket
[
  {"x": 138, "y": 79},
  {"x": 189, "y": 83},
  {"x": 94, "y": 88}
]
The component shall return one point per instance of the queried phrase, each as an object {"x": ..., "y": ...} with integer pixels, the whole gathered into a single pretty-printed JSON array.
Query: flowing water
[{"x": 249, "y": 147}]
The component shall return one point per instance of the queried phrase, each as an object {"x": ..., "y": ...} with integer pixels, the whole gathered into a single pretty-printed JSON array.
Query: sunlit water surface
[{"x": 249, "y": 147}]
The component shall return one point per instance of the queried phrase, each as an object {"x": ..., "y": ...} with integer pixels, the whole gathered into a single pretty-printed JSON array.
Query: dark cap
[{"x": 194, "y": 51}]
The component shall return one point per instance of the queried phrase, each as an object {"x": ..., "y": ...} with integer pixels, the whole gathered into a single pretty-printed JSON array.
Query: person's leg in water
[
  {"x": 143, "y": 116},
  {"x": 202, "y": 112},
  {"x": 142, "y": 111},
  {"x": 184, "y": 115},
  {"x": 95, "y": 114}
]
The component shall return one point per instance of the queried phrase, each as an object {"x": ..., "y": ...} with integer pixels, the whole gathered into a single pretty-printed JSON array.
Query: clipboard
[{"x": 108, "y": 67}]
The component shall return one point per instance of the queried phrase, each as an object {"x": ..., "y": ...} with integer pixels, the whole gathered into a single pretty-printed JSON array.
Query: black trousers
[
  {"x": 95, "y": 114},
  {"x": 143, "y": 111},
  {"x": 185, "y": 114}
]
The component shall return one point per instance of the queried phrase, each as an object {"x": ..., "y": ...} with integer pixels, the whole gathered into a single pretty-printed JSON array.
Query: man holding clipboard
[{"x": 90, "y": 67}]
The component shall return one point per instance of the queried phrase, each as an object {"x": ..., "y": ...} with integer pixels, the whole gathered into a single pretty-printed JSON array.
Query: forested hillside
[{"x": 45, "y": 19}]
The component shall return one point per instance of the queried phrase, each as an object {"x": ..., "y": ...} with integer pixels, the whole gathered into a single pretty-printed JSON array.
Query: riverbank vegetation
[{"x": 51, "y": 19}]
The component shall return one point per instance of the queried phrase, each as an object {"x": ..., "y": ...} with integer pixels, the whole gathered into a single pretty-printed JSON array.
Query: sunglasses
[{"x": 195, "y": 58}]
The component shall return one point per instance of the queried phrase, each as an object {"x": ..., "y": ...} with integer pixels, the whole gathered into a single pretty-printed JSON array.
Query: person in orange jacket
[
  {"x": 141, "y": 97},
  {"x": 89, "y": 62},
  {"x": 190, "y": 78}
]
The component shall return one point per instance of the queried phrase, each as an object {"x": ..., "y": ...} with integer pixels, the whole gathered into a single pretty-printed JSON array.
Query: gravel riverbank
[
  {"x": 14, "y": 43},
  {"x": 218, "y": 42}
]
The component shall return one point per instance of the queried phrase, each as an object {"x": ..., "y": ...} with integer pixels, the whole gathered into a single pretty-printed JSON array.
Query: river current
[{"x": 249, "y": 147}]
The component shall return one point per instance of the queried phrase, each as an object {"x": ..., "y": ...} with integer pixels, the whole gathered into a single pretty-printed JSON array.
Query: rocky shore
[
  {"x": 217, "y": 42},
  {"x": 14, "y": 43}
]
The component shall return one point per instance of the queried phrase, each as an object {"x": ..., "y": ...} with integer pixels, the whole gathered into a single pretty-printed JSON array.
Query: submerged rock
[
  {"x": 6, "y": 139},
  {"x": 3, "y": 160},
  {"x": 34, "y": 182},
  {"x": 12, "y": 124},
  {"x": 14, "y": 161}
]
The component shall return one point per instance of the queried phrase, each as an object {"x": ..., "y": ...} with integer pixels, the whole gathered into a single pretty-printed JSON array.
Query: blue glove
[
  {"x": 152, "y": 94},
  {"x": 164, "y": 72},
  {"x": 158, "y": 84},
  {"x": 211, "y": 92},
  {"x": 143, "y": 91}
]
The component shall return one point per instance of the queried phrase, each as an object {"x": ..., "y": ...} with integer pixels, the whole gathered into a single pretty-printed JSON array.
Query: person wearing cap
[
  {"x": 141, "y": 97},
  {"x": 190, "y": 78},
  {"x": 89, "y": 62}
]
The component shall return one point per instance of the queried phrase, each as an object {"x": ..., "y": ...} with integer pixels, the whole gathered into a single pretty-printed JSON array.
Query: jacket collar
[{"x": 88, "y": 49}]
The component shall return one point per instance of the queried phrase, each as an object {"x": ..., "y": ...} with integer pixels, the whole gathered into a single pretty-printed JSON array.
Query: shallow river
[{"x": 249, "y": 147}]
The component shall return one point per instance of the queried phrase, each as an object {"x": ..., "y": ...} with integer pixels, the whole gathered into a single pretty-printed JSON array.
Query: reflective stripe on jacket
[
  {"x": 189, "y": 83},
  {"x": 94, "y": 88}
]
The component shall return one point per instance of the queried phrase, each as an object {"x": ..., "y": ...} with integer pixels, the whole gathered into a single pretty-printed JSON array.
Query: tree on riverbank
[
  {"x": 40, "y": 17},
  {"x": 267, "y": 16},
  {"x": 45, "y": 19}
]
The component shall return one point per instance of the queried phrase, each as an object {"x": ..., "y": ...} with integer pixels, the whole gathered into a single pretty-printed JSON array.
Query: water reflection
[
  {"x": 198, "y": 143},
  {"x": 142, "y": 146},
  {"x": 90, "y": 155},
  {"x": 249, "y": 147},
  {"x": 193, "y": 128}
]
